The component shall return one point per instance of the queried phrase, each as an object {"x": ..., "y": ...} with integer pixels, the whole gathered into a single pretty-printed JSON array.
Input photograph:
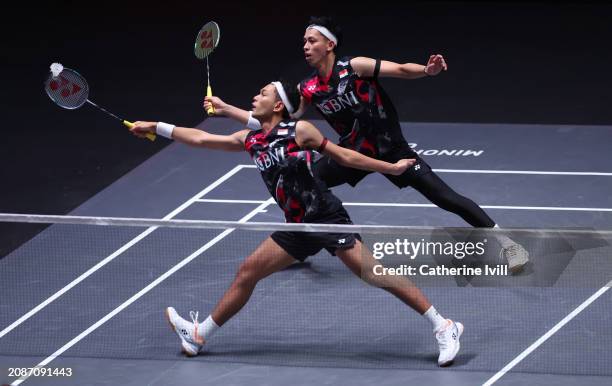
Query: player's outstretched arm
[
  {"x": 192, "y": 137},
  {"x": 309, "y": 137},
  {"x": 366, "y": 67}
]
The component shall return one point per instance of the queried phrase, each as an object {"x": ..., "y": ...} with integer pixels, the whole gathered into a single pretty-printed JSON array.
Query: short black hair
[
  {"x": 292, "y": 94},
  {"x": 329, "y": 23}
]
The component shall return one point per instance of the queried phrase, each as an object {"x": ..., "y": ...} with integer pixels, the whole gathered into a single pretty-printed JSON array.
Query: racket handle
[
  {"x": 150, "y": 136},
  {"x": 211, "y": 109}
]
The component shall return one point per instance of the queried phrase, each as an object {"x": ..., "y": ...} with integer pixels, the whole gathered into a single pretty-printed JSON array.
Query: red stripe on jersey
[
  {"x": 255, "y": 139},
  {"x": 280, "y": 196},
  {"x": 361, "y": 88},
  {"x": 367, "y": 145},
  {"x": 294, "y": 205}
]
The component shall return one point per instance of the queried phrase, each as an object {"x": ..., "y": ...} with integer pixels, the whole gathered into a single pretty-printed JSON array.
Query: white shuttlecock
[{"x": 56, "y": 68}]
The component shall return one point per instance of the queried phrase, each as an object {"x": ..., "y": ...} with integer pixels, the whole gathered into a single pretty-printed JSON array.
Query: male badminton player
[
  {"x": 283, "y": 151},
  {"x": 346, "y": 91}
]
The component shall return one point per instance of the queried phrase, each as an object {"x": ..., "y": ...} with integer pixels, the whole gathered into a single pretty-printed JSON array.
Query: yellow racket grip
[
  {"x": 211, "y": 109},
  {"x": 150, "y": 136}
]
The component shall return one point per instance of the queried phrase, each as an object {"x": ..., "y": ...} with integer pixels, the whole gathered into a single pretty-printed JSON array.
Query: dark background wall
[{"x": 510, "y": 62}]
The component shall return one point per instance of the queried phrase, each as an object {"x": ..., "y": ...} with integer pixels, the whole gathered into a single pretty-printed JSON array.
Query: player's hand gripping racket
[
  {"x": 206, "y": 41},
  {"x": 68, "y": 89}
]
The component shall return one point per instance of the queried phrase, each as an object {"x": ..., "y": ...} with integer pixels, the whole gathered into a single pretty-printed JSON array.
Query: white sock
[
  {"x": 504, "y": 240},
  {"x": 207, "y": 328},
  {"x": 435, "y": 318}
]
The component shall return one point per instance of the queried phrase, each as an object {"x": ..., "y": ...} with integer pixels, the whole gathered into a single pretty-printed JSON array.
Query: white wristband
[
  {"x": 164, "y": 129},
  {"x": 253, "y": 123}
]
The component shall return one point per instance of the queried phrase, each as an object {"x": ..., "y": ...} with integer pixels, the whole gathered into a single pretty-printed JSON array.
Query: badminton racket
[
  {"x": 69, "y": 90},
  {"x": 206, "y": 42}
]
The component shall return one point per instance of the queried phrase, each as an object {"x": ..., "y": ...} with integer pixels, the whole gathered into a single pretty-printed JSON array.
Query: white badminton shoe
[
  {"x": 191, "y": 342},
  {"x": 516, "y": 256},
  {"x": 448, "y": 342}
]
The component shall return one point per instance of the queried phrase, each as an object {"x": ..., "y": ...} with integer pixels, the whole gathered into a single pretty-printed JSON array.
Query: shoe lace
[
  {"x": 442, "y": 337},
  {"x": 194, "y": 316},
  {"x": 442, "y": 341},
  {"x": 512, "y": 250}
]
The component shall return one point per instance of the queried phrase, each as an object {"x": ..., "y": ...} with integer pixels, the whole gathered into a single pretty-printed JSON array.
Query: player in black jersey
[
  {"x": 346, "y": 91},
  {"x": 283, "y": 151}
]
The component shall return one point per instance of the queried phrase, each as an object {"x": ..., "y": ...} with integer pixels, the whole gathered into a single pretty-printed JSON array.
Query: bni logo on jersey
[{"x": 343, "y": 73}]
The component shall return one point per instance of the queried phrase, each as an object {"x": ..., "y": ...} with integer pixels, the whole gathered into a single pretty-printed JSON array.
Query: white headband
[
  {"x": 325, "y": 32},
  {"x": 283, "y": 95}
]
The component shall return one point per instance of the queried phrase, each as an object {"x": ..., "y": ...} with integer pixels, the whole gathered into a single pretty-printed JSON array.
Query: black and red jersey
[
  {"x": 286, "y": 171},
  {"x": 358, "y": 109}
]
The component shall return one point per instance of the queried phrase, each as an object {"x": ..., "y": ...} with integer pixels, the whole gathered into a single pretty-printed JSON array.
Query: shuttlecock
[{"x": 56, "y": 68}]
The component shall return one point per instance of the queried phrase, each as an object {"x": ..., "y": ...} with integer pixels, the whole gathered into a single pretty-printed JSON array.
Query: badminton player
[
  {"x": 283, "y": 150},
  {"x": 346, "y": 92}
]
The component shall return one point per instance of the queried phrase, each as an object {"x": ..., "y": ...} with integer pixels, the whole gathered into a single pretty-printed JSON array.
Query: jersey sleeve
[
  {"x": 376, "y": 68},
  {"x": 308, "y": 87},
  {"x": 345, "y": 62}
]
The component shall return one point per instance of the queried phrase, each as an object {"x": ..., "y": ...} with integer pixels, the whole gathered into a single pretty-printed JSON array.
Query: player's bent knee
[{"x": 247, "y": 274}]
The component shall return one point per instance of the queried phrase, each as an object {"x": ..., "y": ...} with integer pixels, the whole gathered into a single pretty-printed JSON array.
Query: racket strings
[{"x": 68, "y": 89}]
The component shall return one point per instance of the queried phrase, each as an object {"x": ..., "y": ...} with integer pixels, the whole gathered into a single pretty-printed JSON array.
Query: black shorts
[
  {"x": 334, "y": 174},
  {"x": 300, "y": 245}
]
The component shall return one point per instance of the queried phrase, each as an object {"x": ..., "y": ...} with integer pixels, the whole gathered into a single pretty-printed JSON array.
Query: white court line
[
  {"x": 395, "y": 204},
  {"x": 551, "y": 173},
  {"x": 143, "y": 291},
  {"x": 525, "y": 172},
  {"x": 545, "y": 337},
  {"x": 222, "y": 201},
  {"x": 118, "y": 252}
]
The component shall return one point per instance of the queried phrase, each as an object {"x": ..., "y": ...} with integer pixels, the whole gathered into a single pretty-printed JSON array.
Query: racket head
[
  {"x": 68, "y": 89},
  {"x": 207, "y": 40}
]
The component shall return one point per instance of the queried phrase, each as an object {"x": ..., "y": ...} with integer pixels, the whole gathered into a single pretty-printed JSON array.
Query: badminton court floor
[{"x": 91, "y": 298}]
